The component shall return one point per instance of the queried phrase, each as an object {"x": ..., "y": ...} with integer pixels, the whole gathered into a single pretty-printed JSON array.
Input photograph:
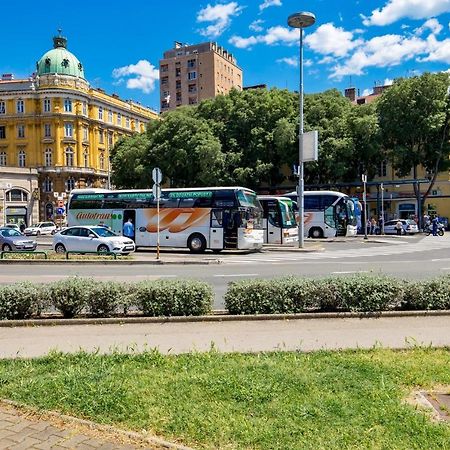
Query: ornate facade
[{"x": 56, "y": 132}]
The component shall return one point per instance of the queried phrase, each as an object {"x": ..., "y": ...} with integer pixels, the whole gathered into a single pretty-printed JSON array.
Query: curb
[
  {"x": 161, "y": 443},
  {"x": 109, "y": 262},
  {"x": 293, "y": 249},
  {"x": 220, "y": 318}
]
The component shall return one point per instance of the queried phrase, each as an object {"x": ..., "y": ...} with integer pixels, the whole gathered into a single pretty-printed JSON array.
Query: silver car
[{"x": 13, "y": 240}]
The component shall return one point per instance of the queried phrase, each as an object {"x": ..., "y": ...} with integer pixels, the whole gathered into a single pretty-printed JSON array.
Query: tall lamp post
[{"x": 301, "y": 20}]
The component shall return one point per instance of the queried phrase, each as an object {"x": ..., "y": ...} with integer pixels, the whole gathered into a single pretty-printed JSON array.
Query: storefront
[{"x": 16, "y": 215}]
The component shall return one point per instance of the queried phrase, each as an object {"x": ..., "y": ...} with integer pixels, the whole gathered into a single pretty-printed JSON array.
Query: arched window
[
  {"x": 47, "y": 185},
  {"x": 69, "y": 156},
  {"x": 22, "y": 159},
  {"x": 48, "y": 157},
  {"x": 17, "y": 195},
  {"x": 102, "y": 161},
  {"x": 70, "y": 184}
]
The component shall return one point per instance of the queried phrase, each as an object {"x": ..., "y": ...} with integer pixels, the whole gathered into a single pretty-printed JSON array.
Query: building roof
[{"x": 59, "y": 60}]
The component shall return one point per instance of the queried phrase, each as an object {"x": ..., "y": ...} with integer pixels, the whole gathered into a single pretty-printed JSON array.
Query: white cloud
[
  {"x": 388, "y": 82},
  {"x": 327, "y": 60},
  {"x": 331, "y": 40},
  {"x": 366, "y": 92},
  {"x": 431, "y": 24},
  {"x": 274, "y": 35},
  {"x": 256, "y": 25},
  {"x": 220, "y": 15},
  {"x": 292, "y": 61},
  {"x": 143, "y": 75},
  {"x": 268, "y": 3},
  {"x": 439, "y": 51},
  {"x": 394, "y": 10}
]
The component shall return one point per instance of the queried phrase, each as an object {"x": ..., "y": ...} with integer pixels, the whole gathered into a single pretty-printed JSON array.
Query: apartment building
[{"x": 191, "y": 73}]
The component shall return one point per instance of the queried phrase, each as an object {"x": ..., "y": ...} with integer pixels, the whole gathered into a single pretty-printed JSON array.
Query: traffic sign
[
  {"x": 60, "y": 211},
  {"x": 60, "y": 203},
  {"x": 157, "y": 175},
  {"x": 156, "y": 191}
]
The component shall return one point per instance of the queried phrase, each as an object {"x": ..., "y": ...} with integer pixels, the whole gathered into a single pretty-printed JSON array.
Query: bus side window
[{"x": 216, "y": 218}]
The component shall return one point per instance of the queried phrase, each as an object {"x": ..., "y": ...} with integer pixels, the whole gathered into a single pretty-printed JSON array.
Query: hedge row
[
  {"x": 75, "y": 296},
  {"x": 355, "y": 293}
]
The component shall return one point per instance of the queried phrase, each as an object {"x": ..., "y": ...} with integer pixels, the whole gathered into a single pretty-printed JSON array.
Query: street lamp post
[
  {"x": 301, "y": 20},
  {"x": 364, "y": 180},
  {"x": 382, "y": 208}
]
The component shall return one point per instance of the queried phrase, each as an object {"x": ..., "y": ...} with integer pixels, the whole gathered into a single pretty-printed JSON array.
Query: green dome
[{"x": 59, "y": 60}]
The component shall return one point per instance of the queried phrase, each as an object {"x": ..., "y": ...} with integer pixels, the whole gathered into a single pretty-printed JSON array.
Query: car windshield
[
  {"x": 411, "y": 222},
  {"x": 103, "y": 232},
  {"x": 8, "y": 232},
  {"x": 35, "y": 225}
]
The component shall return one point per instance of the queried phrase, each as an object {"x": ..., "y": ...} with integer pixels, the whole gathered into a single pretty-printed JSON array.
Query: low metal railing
[{"x": 21, "y": 252}]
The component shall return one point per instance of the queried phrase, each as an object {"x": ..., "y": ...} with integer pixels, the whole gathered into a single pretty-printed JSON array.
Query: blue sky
[{"x": 358, "y": 42}]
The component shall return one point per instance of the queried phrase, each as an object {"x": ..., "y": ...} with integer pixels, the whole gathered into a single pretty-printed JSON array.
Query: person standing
[
  {"x": 399, "y": 227},
  {"x": 373, "y": 225},
  {"x": 434, "y": 224},
  {"x": 128, "y": 229}
]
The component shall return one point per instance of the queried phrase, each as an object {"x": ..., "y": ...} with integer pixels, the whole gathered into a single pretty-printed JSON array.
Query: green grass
[{"x": 322, "y": 400}]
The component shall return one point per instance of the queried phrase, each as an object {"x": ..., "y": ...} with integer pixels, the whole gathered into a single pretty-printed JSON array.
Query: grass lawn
[{"x": 322, "y": 400}]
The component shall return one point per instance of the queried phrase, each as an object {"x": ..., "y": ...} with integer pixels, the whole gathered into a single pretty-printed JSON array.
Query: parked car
[
  {"x": 409, "y": 226},
  {"x": 40, "y": 228},
  {"x": 91, "y": 239},
  {"x": 13, "y": 226},
  {"x": 13, "y": 240}
]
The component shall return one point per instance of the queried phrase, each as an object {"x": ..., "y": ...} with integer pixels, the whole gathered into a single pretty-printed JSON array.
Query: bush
[
  {"x": 21, "y": 301},
  {"x": 294, "y": 294},
  {"x": 103, "y": 299},
  {"x": 429, "y": 294},
  {"x": 173, "y": 298}
]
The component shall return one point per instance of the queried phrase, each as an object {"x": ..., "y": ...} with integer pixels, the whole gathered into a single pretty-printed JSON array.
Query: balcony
[{"x": 67, "y": 170}]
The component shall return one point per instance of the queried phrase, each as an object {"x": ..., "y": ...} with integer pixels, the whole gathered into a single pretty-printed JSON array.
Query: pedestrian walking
[
  {"x": 399, "y": 227},
  {"x": 128, "y": 229}
]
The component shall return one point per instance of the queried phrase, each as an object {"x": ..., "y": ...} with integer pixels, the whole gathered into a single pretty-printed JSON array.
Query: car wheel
[
  {"x": 103, "y": 248},
  {"x": 59, "y": 248},
  {"x": 197, "y": 243},
  {"x": 6, "y": 248},
  {"x": 316, "y": 233}
]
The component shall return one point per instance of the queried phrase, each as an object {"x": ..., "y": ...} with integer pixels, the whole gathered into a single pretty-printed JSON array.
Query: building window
[
  {"x": 47, "y": 130},
  {"x": 69, "y": 157},
  {"x": 48, "y": 157},
  {"x": 192, "y": 75},
  {"x": 16, "y": 195},
  {"x": 164, "y": 104},
  {"x": 102, "y": 161},
  {"x": 68, "y": 129},
  {"x": 47, "y": 185},
  {"x": 2, "y": 158},
  {"x": 22, "y": 159},
  {"x": 100, "y": 136},
  {"x": 178, "y": 72},
  {"x": 86, "y": 159},
  {"x": 127, "y": 122},
  {"x": 164, "y": 81},
  {"x": 20, "y": 107},
  {"x": 178, "y": 84},
  {"x": 70, "y": 184},
  {"x": 47, "y": 105},
  {"x": 119, "y": 119},
  {"x": 178, "y": 96},
  {"x": 85, "y": 133},
  {"x": 192, "y": 88},
  {"x": 2, "y": 107},
  {"x": 110, "y": 116},
  {"x": 21, "y": 131},
  {"x": 110, "y": 140},
  {"x": 67, "y": 105},
  {"x": 100, "y": 113},
  {"x": 165, "y": 68},
  {"x": 191, "y": 63},
  {"x": 2, "y": 132},
  {"x": 382, "y": 169},
  {"x": 84, "y": 109},
  {"x": 192, "y": 100}
]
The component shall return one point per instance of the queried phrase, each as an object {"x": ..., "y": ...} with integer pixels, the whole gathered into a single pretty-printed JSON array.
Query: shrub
[
  {"x": 103, "y": 299},
  {"x": 173, "y": 298},
  {"x": 428, "y": 294},
  {"x": 20, "y": 301}
]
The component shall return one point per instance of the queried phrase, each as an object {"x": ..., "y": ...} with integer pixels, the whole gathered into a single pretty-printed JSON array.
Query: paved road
[
  {"x": 409, "y": 257},
  {"x": 240, "y": 336}
]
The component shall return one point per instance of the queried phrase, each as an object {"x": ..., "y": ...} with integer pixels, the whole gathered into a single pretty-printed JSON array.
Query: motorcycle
[{"x": 429, "y": 229}]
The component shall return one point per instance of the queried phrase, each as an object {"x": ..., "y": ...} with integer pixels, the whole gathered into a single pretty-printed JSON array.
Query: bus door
[
  {"x": 273, "y": 230},
  {"x": 216, "y": 229},
  {"x": 117, "y": 222}
]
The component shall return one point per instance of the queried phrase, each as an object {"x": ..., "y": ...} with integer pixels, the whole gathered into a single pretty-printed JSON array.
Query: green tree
[{"x": 414, "y": 118}]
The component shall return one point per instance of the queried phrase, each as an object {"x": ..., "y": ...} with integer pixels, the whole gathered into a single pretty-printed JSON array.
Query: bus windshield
[{"x": 287, "y": 214}]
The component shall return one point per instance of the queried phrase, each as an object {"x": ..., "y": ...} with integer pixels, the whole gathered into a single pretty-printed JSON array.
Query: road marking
[
  {"x": 350, "y": 271},
  {"x": 238, "y": 275},
  {"x": 441, "y": 259}
]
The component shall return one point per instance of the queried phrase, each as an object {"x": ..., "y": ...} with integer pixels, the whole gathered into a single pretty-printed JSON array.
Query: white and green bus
[
  {"x": 215, "y": 218},
  {"x": 279, "y": 221}
]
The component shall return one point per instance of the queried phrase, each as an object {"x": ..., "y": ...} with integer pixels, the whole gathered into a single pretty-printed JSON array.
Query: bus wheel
[
  {"x": 316, "y": 233},
  {"x": 197, "y": 243}
]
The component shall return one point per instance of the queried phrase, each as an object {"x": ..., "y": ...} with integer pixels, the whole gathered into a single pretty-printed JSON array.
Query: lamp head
[{"x": 301, "y": 20}]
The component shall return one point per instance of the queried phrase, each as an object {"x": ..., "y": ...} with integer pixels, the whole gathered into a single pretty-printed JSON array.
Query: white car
[
  {"x": 91, "y": 239},
  {"x": 40, "y": 228},
  {"x": 409, "y": 226}
]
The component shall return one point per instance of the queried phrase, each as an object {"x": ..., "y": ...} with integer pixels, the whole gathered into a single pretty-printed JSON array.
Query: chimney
[
  {"x": 377, "y": 90},
  {"x": 350, "y": 93}
]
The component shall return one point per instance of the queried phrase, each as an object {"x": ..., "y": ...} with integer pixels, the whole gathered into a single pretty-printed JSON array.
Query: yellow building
[{"x": 56, "y": 132}]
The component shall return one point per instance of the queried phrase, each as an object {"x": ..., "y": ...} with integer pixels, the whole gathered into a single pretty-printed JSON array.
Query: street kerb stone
[{"x": 50, "y": 429}]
